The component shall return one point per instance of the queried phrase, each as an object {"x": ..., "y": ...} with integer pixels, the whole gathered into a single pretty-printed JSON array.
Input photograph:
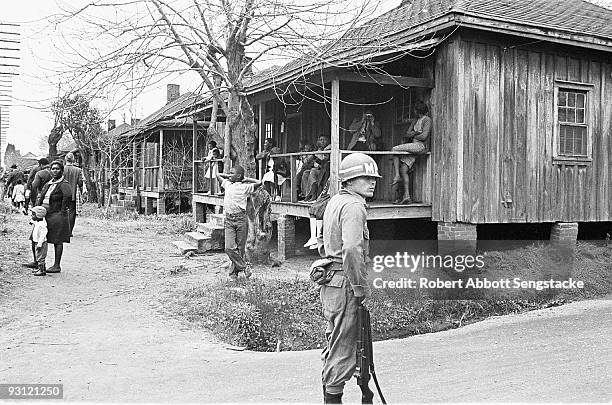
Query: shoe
[
  {"x": 54, "y": 269},
  {"x": 277, "y": 198},
  {"x": 31, "y": 265},
  {"x": 310, "y": 243},
  {"x": 406, "y": 201},
  {"x": 41, "y": 271}
]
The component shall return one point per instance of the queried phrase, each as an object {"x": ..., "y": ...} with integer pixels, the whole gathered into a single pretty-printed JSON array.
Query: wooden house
[
  {"x": 154, "y": 162},
  {"x": 519, "y": 93}
]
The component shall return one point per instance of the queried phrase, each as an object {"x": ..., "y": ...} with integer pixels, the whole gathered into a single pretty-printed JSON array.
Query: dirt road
[{"x": 98, "y": 328}]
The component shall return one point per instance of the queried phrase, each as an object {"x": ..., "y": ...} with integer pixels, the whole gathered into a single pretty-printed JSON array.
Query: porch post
[
  {"x": 160, "y": 172},
  {"x": 134, "y": 166},
  {"x": 194, "y": 142},
  {"x": 334, "y": 159},
  {"x": 261, "y": 125}
]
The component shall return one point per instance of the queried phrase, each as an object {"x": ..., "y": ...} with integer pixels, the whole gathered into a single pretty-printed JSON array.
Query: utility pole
[{"x": 9, "y": 68}]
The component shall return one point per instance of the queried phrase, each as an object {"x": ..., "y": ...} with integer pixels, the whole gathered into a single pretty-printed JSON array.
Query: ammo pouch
[{"x": 322, "y": 271}]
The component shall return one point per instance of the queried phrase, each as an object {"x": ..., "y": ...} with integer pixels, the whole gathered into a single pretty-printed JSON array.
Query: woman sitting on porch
[{"x": 417, "y": 136}]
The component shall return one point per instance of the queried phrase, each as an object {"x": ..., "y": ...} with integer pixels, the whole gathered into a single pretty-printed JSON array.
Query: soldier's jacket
[{"x": 346, "y": 238}]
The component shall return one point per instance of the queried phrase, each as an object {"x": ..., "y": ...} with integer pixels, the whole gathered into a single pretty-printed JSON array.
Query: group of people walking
[{"x": 56, "y": 191}]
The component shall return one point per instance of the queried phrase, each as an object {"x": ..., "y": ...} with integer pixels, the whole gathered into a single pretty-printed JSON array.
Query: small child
[
  {"x": 19, "y": 195},
  {"x": 39, "y": 239}
]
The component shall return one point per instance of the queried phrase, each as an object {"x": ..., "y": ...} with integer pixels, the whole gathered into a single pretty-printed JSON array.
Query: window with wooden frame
[{"x": 572, "y": 128}]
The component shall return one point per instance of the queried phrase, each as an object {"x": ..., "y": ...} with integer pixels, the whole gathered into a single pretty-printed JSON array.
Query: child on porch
[{"x": 237, "y": 189}]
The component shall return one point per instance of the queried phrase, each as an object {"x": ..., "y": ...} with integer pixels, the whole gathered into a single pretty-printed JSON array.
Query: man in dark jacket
[
  {"x": 42, "y": 162},
  {"x": 42, "y": 176}
]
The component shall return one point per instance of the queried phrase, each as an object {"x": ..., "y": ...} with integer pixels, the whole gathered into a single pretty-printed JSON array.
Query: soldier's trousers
[{"x": 340, "y": 311}]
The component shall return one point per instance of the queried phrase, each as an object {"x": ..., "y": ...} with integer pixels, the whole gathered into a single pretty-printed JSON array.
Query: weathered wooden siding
[
  {"x": 507, "y": 131},
  {"x": 445, "y": 132}
]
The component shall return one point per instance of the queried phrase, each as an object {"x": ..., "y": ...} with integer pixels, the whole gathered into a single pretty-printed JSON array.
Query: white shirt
[
  {"x": 39, "y": 233},
  {"x": 236, "y": 194}
]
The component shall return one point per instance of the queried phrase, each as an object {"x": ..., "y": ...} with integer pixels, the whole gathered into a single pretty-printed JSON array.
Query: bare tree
[{"x": 138, "y": 41}]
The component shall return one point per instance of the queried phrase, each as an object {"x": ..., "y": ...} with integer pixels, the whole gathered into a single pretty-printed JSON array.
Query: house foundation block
[
  {"x": 148, "y": 206},
  {"x": 564, "y": 232},
  {"x": 161, "y": 205},
  {"x": 199, "y": 212},
  {"x": 456, "y": 238},
  {"x": 286, "y": 237}
]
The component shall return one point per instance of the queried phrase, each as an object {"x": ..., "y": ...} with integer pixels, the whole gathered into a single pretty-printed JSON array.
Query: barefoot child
[
  {"x": 39, "y": 239},
  {"x": 237, "y": 189}
]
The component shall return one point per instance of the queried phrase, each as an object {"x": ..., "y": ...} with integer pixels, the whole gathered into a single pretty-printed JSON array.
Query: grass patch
[
  {"x": 170, "y": 224},
  {"x": 264, "y": 315}
]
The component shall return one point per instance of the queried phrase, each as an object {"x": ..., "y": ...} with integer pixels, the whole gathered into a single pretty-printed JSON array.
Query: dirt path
[{"x": 98, "y": 328}]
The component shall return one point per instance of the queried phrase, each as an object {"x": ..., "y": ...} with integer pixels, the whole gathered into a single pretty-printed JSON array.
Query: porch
[{"x": 155, "y": 170}]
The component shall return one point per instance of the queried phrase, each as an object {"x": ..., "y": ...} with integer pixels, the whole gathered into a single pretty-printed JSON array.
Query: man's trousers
[
  {"x": 236, "y": 229},
  {"x": 340, "y": 310}
]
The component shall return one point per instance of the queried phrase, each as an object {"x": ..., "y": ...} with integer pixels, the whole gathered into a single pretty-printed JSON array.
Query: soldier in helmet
[{"x": 346, "y": 243}]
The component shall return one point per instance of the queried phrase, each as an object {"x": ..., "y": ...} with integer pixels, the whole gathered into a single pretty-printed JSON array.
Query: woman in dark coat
[{"x": 56, "y": 196}]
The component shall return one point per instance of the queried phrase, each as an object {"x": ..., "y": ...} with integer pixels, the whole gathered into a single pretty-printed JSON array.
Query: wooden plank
[
  {"x": 507, "y": 125},
  {"x": 460, "y": 78},
  {"x": 160, "y": 174},
  {"x": 532, "y": 156},
  {"x": 262, "y": 134},
  {"x": 493, "y": 114},
  {"x": 605, "y": 184},
  {"x": 479, "y": 135},
  {"x": 335, "y": 137},
  {"x": 561, "y": 67},
  {"x": 194, "y": 173},
  {"x": 451, "y": 138},
  {"x": 548, "y": 117},
  {"x": 521, "y": 199},
  {"x": 594, "y": 172},
  {"x": 382, "y": 79},
  {"x": 437, "y": 140},
  {"x": 573, "y": 69}
]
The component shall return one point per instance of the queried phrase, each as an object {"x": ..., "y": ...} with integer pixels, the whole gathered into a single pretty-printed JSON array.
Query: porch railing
[
  {"x": 204, "y": 180},
  {"x": 126, "y": 177},
  {"x": 151, "y": 178},
  {"x": 421, "y": 176}
]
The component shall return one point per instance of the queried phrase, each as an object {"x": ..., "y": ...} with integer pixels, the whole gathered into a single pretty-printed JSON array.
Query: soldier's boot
[{"x": 42, "y": 270}]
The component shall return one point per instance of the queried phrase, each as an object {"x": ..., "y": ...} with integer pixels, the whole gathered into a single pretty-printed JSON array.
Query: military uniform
[{"x": 346, "y": 242}]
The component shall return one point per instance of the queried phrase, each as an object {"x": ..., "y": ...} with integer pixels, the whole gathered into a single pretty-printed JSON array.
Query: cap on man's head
[
  {"x": 43, "y": 161},
  {"x": 40, "y": 211},
  {"x": 70, "y": 157}
]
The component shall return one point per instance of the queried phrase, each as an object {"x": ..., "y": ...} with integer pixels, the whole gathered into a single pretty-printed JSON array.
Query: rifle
[{"x": 365, "y": 357}]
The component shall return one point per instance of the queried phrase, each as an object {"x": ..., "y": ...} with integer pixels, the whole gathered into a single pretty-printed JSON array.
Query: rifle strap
[{"x": 382, "y": 397}]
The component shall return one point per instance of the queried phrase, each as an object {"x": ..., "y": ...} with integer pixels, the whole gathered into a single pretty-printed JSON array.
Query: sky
[{"x": 34, "y": 89}]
